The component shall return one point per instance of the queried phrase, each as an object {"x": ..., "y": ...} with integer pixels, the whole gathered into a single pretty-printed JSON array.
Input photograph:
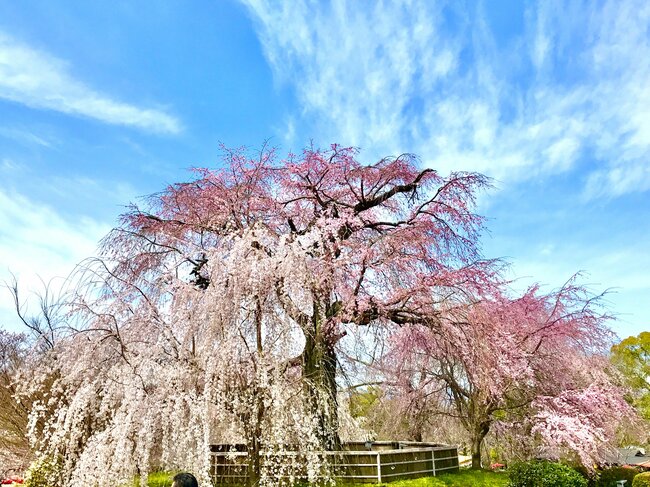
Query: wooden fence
[{"x": 362, "y": 462}]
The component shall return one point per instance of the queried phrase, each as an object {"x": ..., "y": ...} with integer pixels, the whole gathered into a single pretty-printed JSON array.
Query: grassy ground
[
  {"x": 466, "y": 478},
  {"x": 157, "y": 479}
]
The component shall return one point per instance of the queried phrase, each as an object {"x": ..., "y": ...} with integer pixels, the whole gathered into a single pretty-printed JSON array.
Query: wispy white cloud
[
  {"x": 9, "y": 165},
  {"x": 39, "y": 80},
  {"x": 396, "y": 77},
  {"x": 38, "y": 243},
  {"x": 25, "y": 136}
]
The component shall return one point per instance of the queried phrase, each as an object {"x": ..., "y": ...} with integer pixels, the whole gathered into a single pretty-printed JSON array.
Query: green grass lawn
[
  {"x": 465, "y": 478},
  {"x": 156, "y": 479}
]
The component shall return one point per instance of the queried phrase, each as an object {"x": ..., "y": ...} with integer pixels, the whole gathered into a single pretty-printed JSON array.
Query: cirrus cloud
[
  {"x": 39, "y": 80},
  {"x": 568, "y": 92}
]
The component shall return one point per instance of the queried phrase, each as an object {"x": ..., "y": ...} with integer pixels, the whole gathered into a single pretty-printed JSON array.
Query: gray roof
[{"x": 630, "y": 456}]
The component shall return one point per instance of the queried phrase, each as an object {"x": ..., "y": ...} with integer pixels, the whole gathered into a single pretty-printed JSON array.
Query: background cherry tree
[{"x": 535, "y": 364}]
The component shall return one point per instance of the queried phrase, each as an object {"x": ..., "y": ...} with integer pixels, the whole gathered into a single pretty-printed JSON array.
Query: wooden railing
[{"x": 408, "y": 460}]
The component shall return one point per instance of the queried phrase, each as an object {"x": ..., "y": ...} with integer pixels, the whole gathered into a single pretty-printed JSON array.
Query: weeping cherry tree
[{"x": 215, "y": 311}]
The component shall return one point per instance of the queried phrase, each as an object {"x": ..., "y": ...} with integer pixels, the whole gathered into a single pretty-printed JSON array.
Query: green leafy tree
[
  {"x": 362, "y": 402},
  {"x": 632, "y": 358}
]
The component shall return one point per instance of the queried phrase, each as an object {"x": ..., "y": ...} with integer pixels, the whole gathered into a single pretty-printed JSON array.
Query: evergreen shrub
[
  {"x": 544, "y": 474},
  {"x": 641, "y": 480}
]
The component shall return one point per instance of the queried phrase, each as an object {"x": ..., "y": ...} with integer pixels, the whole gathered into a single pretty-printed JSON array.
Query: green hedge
[
  {"x": 642, "y": 480},
  {"x": 544, "y": 474}
]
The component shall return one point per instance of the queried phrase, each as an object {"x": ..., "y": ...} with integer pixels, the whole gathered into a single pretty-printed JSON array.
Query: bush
[
  {"x": 641, "y": 480},
  {"x": 609, "y": 476},
  {"x": 588, "y": 474},
  {"x": 544, "y": 474},
  {"x": 44, "y": 472}
]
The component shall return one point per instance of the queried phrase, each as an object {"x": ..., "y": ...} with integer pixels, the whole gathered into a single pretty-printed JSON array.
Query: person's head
[{"x": 184, "y": 480}]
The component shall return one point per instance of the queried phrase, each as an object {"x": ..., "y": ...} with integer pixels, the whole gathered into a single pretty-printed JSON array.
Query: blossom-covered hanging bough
[{"x": 215, "y": 312}]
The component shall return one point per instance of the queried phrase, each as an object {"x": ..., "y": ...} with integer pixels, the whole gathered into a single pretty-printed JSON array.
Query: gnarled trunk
[
  {"x": 257, "y": 415},
  {"x": 319, "y": 375},
  {"x": 255, "y": 443},
  {"x": 477, "y": 441}
]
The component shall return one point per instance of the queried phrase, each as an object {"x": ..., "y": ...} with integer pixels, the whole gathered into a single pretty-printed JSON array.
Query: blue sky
[{"x": 103, "y": 102}]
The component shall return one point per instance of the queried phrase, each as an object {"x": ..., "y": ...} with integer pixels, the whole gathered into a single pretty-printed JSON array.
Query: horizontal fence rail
[{"x": 373, "y": 464}]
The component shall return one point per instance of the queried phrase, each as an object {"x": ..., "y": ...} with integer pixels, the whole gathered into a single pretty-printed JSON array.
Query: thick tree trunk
[
  {"x": 417, "y": 435},
  {"x": 477, "y": 442},
  {"x": 255, "y": 444},
  {"x": 257, "y": 416},
  {"x": 319, "y": 375},
  {"x": 476, "y": 454}
]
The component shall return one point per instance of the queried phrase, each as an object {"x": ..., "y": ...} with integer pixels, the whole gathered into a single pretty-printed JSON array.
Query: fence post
[
  {"x": 378, "y": 467},
  {"x": 433, "y": 461}
]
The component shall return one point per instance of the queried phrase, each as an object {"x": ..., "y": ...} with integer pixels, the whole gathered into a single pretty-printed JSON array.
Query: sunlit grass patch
[
  {"x": 465, "y": 478},
  {"x": 157, "y": 479}
]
